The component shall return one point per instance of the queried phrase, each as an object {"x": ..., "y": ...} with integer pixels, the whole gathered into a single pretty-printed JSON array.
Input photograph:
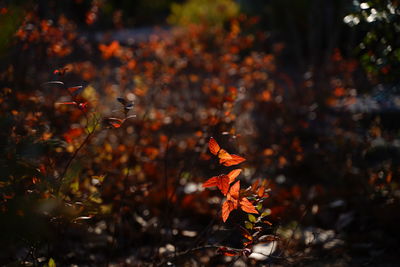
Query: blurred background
[{"x": 111, "y": 172}]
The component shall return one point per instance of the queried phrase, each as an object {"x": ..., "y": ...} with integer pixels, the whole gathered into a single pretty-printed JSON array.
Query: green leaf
[
  {"x": 93, "y": 122},
  {"x": 51, "y": 263},
  {"x": 259, "y": 206},
  {"x": 266, "y": 213},
  {"x": 252, "y": 218},
  {"x": 248, "y": 225}
]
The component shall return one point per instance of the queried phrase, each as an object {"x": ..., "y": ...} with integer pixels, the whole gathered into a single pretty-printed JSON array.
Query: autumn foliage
[
  {"x": 196, "y": 145},
  {"x": 233, "y": 199}
]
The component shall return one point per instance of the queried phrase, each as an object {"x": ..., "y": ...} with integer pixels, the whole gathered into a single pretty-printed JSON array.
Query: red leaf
[
  {"x": 114, "y": 122},
  {"x": 235, "y": 159},
  {"x": 60, "y": 71},
  {"x": 232, "y": 202},
  {"x": 227, "y": 252},
  {"x": 224, "y": 157},
  {"x": 246, "y": 206},
  {"x": 221, "y": 181},
  {"x": 223, "y": 184},
  {"x": 233, "y": 174},
  {"x": 213, "y": 146},
  {"x": 72, "y": 134},
  {"x": 213, "y": 181},
  {"x": 261, "y": 191},
  {"x": 234, "y": 191},
  {"x": 227, "y": 207}
]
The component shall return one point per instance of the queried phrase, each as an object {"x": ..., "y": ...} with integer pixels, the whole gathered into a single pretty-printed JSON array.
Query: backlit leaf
[
  {"x": 213, "y": 146},
  {"x": 227, "y": 207},
  {"x": 233, "y": 174},
  {"x": 221, "y": 181},
  {"x": 252, "y": 218},
  {"x": 235, "y": 159},
  {"x": 246, "y": 206}
]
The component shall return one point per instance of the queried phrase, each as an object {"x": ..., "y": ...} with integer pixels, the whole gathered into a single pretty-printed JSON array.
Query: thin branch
[{"x": 85, "y": 141}]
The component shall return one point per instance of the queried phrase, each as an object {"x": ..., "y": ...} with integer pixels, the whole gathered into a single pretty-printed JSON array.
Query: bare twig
[{"x": 64, "y": 172}]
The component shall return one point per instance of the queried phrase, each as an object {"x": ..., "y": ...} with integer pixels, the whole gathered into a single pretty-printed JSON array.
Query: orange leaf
[
  {"x": 233, "y": 161},
  {"x": 221, "y": 181},
  {"x": 261, "y": 191},
  {"x": 72, "y": 134},
  {"x": 255, "y": 185},
  {"x": 233, "y": 174},
  {"x": 223, "y": 155},
  {"x": 213, "y": 146},
  {"x": 223, "y": 184},
  {"x": 232, "y": 202},
  {"x": 114, "y": 122},
  {"x": 227, "y": 207},
  {"x": 226, "y": 251},
  {"x": 213, "y": 181},
  {"x": 246, "y": 206},
  {"x": 234, "y": 191}
]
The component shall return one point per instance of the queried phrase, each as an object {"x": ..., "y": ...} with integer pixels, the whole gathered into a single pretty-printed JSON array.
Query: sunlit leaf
[
  {"x": 213, "y": 146},
  {"x": 221, "y": 181},
  {"x": 224, "y": 157},
  {"x": 259, "y": 206},
  {"x": 233, "y": 174},
  {"x": 226, "y": 210},
  {"x": 252, "y": 218},
  {"x": 246, "y": 206},
  {"x": 266, "y": 213},
  {"x": 234, "y": 160}
]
